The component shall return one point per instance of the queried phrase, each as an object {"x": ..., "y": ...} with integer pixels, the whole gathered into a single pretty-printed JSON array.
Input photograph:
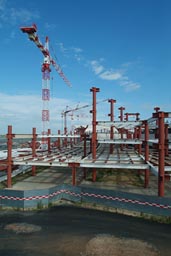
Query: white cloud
[
  {"x": 76, "y": 49},
  {"x": 114, "y": 75},
  {"x": 2, "y": 4},
  {"x": 62, "y": 48},
  {"x": 23, "y": 112},
  {"x": 129, "y": 85},
  {"x": 96, "y": 67},
  {"x": 102, "y": 73},
  {"x": 110, "y": 75},
  {"x": 49, "y": 26},
  {"x": 132, "y": 86},
  {"x": 10, "y": 15}
]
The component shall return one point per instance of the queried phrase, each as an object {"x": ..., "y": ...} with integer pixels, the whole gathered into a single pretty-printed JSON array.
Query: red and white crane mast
[{"x": 31, "y": 31}]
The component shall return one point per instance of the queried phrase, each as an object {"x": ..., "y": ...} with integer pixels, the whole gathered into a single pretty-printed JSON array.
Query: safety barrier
[{"x": 30, "y": 199}]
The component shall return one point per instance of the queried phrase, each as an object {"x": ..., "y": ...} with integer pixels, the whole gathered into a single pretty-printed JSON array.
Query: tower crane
[{"x": 47, "y": 62}]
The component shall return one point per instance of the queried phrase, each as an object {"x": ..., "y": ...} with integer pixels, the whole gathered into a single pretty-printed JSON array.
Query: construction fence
[{"x": 35, "y": 199}]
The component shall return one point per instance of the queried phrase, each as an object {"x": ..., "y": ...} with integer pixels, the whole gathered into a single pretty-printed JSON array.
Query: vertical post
[
  {"x": 135, "y": 136},
  {"x": 121, "y": 113},
  {"x": 139, "y": 137},
  {"x": 111, "y": 101},
  {"x": 94, "y": 90},
  {"x": 9, "y": 156},
  {"x": 137, "y": 116},
  {"x": 166, "y": 140},
  {"x": 85, "y": 144},
  {"x": 156, "y": 135},
  {"x": 161, "y": 154},
  {"x": 65, "y": 128},
  {"x": 146, "y": 138},
  {"x": 74, "y": 166},
  {"x": 73, "y": 175},
  {"x": 127, "y": 131},
  {"x": 59, "y": 140},
  {"x": 34, "y": 150},
  {"x": 121, "y": 119},
  {"x": 49, "y": 141}
]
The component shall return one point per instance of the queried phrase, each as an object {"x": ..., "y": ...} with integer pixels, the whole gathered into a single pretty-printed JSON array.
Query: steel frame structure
[{"x": 135, "y": 151}]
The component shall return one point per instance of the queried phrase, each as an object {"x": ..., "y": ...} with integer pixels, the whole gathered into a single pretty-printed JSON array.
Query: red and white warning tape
[{"x": 118, "y": 199}]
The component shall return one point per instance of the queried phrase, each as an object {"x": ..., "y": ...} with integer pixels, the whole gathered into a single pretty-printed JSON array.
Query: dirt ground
[
  {"x": 73, "y": 231},
  {"x": 126, "y": 180}
]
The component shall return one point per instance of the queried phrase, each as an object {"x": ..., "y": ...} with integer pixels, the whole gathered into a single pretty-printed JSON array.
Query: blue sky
[{"x": 122, "y": 47}]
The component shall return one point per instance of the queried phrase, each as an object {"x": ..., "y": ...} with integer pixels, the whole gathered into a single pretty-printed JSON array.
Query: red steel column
[
  {"x": 135, "y": 136},
  {"x": 121, "y": 119},
  {"x": 34, "y": 150},
  {"x": 139, "y": 137},
  {"x": 137, "y": 116},
  {"x": 156, "y": 135},
  {"x": 94, "y": 90},
  {"x": 49, "y": 141},
  {"x": 161, "y": 154},
  {"x": 111, "y": 101},
  {"x": 74, "y": 166},
  {"x": 85, "y": 144},
  {"x": 59, "y": 140},
  {"x": 146, "y": 135},
  {"x": 127, "y": 131},
  {"x": 9, "y": 156},
  {"x": 73, "y": 175},
  {"x": 166, "y": 140},
  {"x": 121, "y": 113}
]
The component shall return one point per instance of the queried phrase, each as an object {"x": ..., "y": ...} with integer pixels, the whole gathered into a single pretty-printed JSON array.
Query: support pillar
[
  {"x": 166, "y": 140},
  {"x": 156, "y": 134},
  {"x": 59, "y": 141},
  {"x": 34, "y": 150},
  {"x": 74, "y": 168},
  {"x": 85, "y": 145},
  {"x": 9, "y": 156},
  {"x": 49, "y": 141},
  {"x": 94, "y": 90},
  {"x": 139, "y": 137},
  {"x": 135, "y": 136},
  {"x": 161, "y": 164},
  {"x": 121, "y": 119},
  {"x": 84, "y": 173},
  {"x": 111, "y": 101},
  {"x": 146, "y": 145}
]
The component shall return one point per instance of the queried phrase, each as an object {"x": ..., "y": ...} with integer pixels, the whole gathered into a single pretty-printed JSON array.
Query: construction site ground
[
  {"x": 74, "y": 231},
  {"x": 67, "y": 230},
  {"x": 122, "y": 180}
]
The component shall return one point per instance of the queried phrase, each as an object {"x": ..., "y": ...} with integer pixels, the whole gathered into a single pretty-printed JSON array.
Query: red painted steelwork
[
  {"x": 34, "y": 150},
  {"x": 74, "y": 168},
  {"x": 111, "y": 101},
  {"x": 166, "y": 140},
  {"x": 59, "y": 141},
  {"x": 161, "y": 154},
  {"x": 94, "y": 90},
  {"x": 9, "y": 156},
  {"x": 146, "y": 135},
  {"x": 139, "y": 137},
  {"x": 121, "y": 119},
  {"x": 49, "y": 141}
]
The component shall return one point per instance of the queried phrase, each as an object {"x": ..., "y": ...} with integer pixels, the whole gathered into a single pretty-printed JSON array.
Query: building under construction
[{"x": 139, "y": 145}]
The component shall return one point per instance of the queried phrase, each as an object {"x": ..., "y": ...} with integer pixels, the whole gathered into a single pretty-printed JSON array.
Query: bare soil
[{"x": 126, "y": 180}]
